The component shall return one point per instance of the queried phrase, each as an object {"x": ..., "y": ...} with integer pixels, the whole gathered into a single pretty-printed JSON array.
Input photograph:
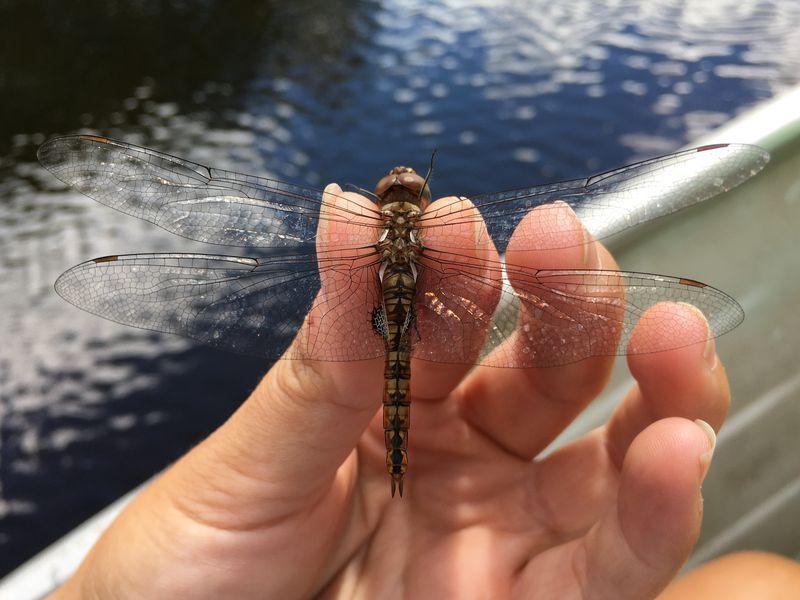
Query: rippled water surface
[{"x": 510, "y": 93}]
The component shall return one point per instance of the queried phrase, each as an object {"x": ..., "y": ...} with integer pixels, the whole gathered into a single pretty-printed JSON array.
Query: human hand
[{"x": 289, "y": 498}]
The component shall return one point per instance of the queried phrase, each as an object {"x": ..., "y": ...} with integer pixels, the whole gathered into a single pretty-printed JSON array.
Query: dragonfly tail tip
[{"x": 397, "y": 486}]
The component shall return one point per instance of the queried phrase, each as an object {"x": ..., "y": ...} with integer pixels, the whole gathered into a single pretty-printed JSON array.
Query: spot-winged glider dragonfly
[{"x": 401, "y": 276}]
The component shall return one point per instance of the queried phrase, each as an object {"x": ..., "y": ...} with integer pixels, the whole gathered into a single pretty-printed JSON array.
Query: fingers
[
  {"x": 687, "y": 381},
  {"x": 286, "y": 442},
  {"x": 460, "y": 282},
  {"x": 642, "y": 540},
  {"x": 524, "y": 409},
  {"x": 580, "y": 480}
]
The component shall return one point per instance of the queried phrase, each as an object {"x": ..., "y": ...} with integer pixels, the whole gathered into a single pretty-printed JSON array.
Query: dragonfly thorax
[
  {"x": 399, "y": 243},
  {"x": 403, "y": 195}
]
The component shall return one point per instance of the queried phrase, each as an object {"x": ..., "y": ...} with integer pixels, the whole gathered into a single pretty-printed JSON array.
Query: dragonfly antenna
[{"x": 428, "y": 174}]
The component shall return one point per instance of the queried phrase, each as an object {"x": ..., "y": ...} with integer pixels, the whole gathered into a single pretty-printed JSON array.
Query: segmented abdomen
[{"x": 398, "y": 296}]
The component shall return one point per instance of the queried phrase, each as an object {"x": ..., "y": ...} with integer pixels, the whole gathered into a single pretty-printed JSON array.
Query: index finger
[{"x": 288, "y": 440}]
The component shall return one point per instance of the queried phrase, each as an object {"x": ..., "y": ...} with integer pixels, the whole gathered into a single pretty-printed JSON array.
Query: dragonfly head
[{"x": 404, "y": 184}]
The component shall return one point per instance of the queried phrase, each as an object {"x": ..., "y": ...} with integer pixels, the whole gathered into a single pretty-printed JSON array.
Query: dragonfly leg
[{"x": 379, "y": 322}]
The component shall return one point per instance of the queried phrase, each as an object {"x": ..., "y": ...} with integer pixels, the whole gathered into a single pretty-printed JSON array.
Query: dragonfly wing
[
  {"x": 612, "y": 202},
  {"x": 194, "y": 201},
  {"x": 549, "y": 318},
  {"x": 247, "y": 305}
]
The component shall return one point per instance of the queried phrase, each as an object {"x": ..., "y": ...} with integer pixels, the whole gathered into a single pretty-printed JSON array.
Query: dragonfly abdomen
[{"x": 398, "y": 293}]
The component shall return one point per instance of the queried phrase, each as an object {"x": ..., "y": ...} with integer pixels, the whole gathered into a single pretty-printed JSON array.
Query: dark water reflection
[{"x": 510, "y": 93}]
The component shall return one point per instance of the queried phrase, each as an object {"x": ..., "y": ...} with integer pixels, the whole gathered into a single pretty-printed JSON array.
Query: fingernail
[
  {"x": 590, "y": 256},
  {"x": 705, "y": 457},
  {"x": 479, "y": 232},
  {"x": 332, "y": 188},
  {"x": 710, "y": 348},
  {"x": 710, "y": 353}
]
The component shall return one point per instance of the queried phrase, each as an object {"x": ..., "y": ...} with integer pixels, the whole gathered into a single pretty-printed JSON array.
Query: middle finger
[{"x": 524, "y": 409}]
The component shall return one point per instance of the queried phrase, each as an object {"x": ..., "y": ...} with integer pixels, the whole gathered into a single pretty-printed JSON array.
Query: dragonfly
[{"x": 342, "y": 276}]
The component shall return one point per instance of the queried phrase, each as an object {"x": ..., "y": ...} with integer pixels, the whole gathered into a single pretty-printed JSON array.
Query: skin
[
  {"x": 289, "y": 498},
  {"x": 740, "y": 576}
]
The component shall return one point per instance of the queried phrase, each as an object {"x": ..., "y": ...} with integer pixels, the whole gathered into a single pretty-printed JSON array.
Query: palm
[
  {"x": 480, "y": 519},
  {"x": 470, "y": 521}
]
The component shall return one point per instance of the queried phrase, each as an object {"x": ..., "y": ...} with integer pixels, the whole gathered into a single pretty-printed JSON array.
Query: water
[{"x": 510, "y": 93}]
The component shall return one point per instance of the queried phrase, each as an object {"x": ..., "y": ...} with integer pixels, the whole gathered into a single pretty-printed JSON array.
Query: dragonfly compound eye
[{"x": 402, "y": 181}]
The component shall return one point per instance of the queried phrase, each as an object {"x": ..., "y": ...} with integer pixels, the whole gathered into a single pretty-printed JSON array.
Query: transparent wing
[
  {"x": 247, "y": 305},
  {"x": 512, "y": 317},
  {"x": 257, "y": 306},
  {"x": 611, "y": 202},
  {"x": 194, "y": 201},
  {"x": 465, "y": 314}
]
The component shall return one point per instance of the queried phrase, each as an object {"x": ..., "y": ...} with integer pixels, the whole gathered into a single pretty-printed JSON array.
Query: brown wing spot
[
  {"x": 711, "y": 147},
  {"x": 103, "y": 259},
  {"x": 94, "y": 138},
  {"x": 692, "y": 282}
]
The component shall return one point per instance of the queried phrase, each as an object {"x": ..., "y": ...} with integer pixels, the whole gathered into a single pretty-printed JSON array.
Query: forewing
[
  {"x": 247, "y": 305},
  {"x": 611, "y": 202},
  {"x": 194, "y": 201},
  {"x": 554, "y": 317}
]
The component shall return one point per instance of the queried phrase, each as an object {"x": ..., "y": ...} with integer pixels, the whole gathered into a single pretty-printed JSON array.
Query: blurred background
[{"x": 511, "y": 93}]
